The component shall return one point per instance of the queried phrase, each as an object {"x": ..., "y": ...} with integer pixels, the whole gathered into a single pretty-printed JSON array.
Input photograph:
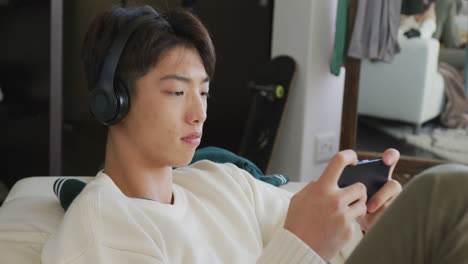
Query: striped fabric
[{"x": 66, "y": 190}]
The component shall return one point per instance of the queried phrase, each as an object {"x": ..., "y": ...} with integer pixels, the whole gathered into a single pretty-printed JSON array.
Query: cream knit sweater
[{"x": 221, "y": 214}]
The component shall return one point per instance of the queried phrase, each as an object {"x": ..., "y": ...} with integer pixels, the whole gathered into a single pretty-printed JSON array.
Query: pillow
[{"x": 66, "y": 190}]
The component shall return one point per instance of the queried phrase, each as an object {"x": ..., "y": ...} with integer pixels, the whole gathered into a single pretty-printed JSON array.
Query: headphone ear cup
[
  {"x": 123, "y": 101},
  {"x": 102, "y": 105}
]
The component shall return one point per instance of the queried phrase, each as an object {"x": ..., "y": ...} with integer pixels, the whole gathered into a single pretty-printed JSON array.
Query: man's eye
[
  {"x": 177, "y": 93},
  {"x": 207, "y": 95}
]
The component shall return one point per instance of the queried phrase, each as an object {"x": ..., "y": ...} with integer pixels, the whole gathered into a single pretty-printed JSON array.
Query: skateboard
[{"x": 269, "y": 97}]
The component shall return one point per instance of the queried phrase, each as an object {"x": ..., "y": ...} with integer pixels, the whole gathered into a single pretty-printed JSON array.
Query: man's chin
[{"x": 183, "y": 162}]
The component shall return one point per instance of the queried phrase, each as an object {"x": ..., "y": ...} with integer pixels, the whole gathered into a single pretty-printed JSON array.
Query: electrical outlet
[{"x": 325, "y": 147}]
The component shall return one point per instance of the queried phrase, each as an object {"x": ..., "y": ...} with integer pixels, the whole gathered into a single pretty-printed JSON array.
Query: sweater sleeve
[
  {"x": 287, "y": 248},
  {"x": 271, "y": 205}
]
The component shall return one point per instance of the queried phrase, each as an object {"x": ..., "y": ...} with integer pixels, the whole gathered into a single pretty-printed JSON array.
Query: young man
[{"x": 139, "y": 210}]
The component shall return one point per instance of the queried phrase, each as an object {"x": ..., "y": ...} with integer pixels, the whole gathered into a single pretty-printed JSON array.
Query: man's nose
[{"x": 197, "y": 111}]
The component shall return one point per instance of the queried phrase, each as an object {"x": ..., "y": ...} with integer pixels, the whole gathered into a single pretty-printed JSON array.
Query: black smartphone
[{"x": 372, "y": 173}]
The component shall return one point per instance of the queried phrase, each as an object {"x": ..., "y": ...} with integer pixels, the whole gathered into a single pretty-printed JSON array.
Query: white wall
[{"x": 305, "y": 31}]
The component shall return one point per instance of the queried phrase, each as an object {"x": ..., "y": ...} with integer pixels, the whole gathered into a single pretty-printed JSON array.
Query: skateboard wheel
[{"x": 279, "y": 91}]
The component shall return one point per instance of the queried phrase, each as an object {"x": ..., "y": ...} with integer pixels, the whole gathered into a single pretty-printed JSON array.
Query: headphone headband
[{"x": 115, "y": 51}]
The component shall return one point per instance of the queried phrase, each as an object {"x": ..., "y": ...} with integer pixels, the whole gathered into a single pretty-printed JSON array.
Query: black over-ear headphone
[{"x": 109, "y": 101}]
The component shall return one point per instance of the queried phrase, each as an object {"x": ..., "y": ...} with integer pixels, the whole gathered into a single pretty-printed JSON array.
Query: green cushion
[{"x": 66, "y": 190}]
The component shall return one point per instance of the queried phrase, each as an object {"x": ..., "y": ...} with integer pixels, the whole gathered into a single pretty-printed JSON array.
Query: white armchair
[{"x": 409, "y": 89}]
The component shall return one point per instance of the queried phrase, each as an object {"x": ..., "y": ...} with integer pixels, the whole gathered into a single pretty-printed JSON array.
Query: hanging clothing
[
  {"x": 339, "y": 54},
  {"x": 375, "y": 31}
]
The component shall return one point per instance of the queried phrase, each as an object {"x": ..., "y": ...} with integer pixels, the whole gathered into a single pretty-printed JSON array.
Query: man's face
[{"x": 167, "y": 113}]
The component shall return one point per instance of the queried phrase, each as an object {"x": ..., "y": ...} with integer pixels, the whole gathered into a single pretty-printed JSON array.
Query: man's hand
[
  {"x": 322, "y": 214},
  {"x": 385, "y": 196}
]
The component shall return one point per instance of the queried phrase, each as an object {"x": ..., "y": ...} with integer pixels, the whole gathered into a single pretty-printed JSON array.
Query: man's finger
[
  {"x": 390, "y": 158},
  {"x": 371, "y": 218},
  {"x": 390, "y": 190},
  {"x": 334, "y": 169},
  {"x": 354, "y": 192},
  {"x": 358, "y": 209}
]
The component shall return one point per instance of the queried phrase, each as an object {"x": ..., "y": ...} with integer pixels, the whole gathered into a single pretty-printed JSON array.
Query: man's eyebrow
[
  {"x": 182, "y": 78},
  {"x": 175, "y": 77}
]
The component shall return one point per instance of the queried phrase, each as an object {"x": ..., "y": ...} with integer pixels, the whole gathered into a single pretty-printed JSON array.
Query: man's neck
[{"x": 134, "y": 177}]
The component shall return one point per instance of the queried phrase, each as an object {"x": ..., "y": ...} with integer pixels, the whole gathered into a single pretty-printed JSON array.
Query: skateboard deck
[{"x": 269, "y": 92}]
